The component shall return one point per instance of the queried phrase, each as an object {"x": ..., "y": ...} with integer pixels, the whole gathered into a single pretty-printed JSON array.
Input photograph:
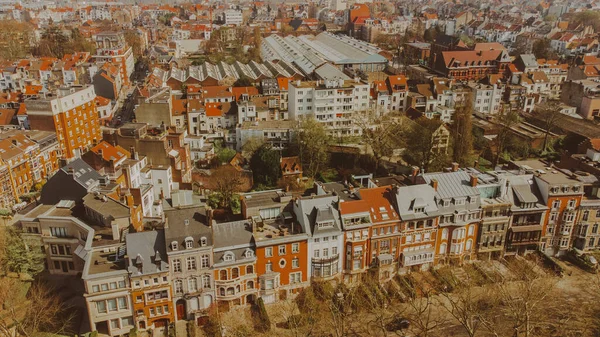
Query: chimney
[
  {"x": 473, "y": 180},
  {"x": 415, "y": 173},
  {"x": 100, "y": 152},
  {"x": 434, "y": 184},
  {"x": 454, "y": 166},
  {"x": 209, "y": 216},
  {"x": 476, "y": 164}
]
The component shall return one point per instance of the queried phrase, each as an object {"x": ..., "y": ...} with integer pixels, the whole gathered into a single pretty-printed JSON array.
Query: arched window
[
  {"x": 443, "y": 248},
  {"x": 250, "y": 285},
  {"x": 469, "y": 244},
  {"x": 206, "y": 281},
  {"x": 445, "y": 234},
  {"x": 223, "y": 275},
  {"x": 235, "y": 273},
  {"x": 222, "y": 291},
  {"x": 471, "y": 230},
  {"x": 178, "y": 286},
  {"x": 249, "y": 270}
]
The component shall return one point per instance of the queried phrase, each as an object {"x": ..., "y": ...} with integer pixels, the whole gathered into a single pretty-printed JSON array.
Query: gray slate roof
[
  {"x": 409, "y": 197},
  {"x": 146, "y": 253},
  {"x": 178, "y": 230}
]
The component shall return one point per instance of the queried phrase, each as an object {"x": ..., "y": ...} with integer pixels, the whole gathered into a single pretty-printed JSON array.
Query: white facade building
[{"x": 331, "y": 102}]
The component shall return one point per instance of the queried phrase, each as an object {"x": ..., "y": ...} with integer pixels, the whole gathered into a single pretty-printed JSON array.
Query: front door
[{"x": 180, "y": 307}]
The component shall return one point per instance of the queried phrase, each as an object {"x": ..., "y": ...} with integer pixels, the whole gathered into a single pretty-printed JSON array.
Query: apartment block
[
  {"x": 334, "y": 103},
  {"x": 111, "y": 47},
  {"x": 72, "y": 115}
]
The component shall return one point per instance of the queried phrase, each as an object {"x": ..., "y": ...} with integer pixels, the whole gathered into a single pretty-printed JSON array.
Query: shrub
[
  {"x": 262, "y": 323},
  {"x": 191, "y": 328}
]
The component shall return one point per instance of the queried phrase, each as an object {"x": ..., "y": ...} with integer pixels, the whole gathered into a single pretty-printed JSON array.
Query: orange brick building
[
  {"x": 72, "y": 115},
  {"x": 282, "y": 262}
]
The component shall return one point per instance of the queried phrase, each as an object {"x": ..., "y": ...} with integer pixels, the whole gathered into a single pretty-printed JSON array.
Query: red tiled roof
[
  {"x": 239, "y": 91},
  {"x": 214, "y": 109},
  {"x": 110, "y": 152},
  {"x": 381, "y": 207}
]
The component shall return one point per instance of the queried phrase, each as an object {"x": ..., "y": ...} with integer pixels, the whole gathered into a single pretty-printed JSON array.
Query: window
[
  {"x": 59, "y": 232},
  {"x": 471, "y": 229},
  {"x": 235, "y": 272},
  {"x": 325, "y": 252},
  {"x": 101, "y": 307},
  {"x": 228, "y": 256},
  {"x": 282, "y": 250},
  {"x": 595, "y": 228},
  {"x": 556, "y": 204},
  {"x": 178, "y": 286},
  {"x": 174, "y": 245},
  {"x": 203, "y": 241},
  {"x": 334, "y": 251},
  {"x": 189, "y": 244},
  {"x": 317, "y": 253},
  {"x": 112, "y": 304},
  {"x": 127, "y": 321},
  {"x": 122, "y": 302},
  {"x": 192, "y": 285},
  {"x": 295, "y": 247},
  {"x": 269, "y": 267},
  {"x": 296, "y": 277},
  {"x": 206, "y": 281},
  {"x": 296, "y": 263},
  {"x": 114, "y": 323},
  {"x": 223, "y": 274},
  {"x": 445, "y": 234},
  {"x": 177, "y": 266},
  {"x": 95, "y": 289},
  {"x": 204, "y": 261},
  {"x": 191, "y": 263},
  {"x": 269, "y": 252}
]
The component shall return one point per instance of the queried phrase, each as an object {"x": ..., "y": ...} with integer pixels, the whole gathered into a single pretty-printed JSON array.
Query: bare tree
[
  {"x": 40, "y": 311},
  {"x": 462, "y": 132},
  {"x": 381, "y": 134},
  {"x": 526, "y": 301},
  {"x": 550, "y": 114},
  {"x": 472, "y": 307},
  {"x": 424, "y": 318},
  {"x": 506, "y": 119},
  {"x": 226, "y": 181}
]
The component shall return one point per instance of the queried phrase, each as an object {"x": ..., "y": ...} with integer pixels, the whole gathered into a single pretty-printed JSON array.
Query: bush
[
  {"x": 550, "y": 264},
  {"x": 133, "y": 332},
  {"x": 581, "y": 262},
  {"x": 191, "y": 328},
  {"x": 262, "y": 323}
]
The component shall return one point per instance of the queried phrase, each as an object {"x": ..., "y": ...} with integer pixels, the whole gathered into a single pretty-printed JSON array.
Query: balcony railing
[{"x": 324, "y": 260}]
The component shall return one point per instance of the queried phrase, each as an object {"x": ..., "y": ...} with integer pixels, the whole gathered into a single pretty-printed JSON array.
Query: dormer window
[
  {"x": 459, "y": 201},
  {"x": 248, "y": 253},
  {"x": 445, "y": 202},
  {"x": 228, "y": 256},
  {"x": 473, "y": 199},
  {"x": 203, "y": 241},
  {"x": 419, "y": 209},
  {"x": 189, "y": 243},
  {"x": 325, "y": 224},
  {"x": 174, "y": 245},
  {"x": 554, "y": 190}
]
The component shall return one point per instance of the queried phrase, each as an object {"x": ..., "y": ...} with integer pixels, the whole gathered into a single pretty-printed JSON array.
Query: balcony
[
  {"x": 416, "y": 258},
  {"x": 326, "y": 260}
]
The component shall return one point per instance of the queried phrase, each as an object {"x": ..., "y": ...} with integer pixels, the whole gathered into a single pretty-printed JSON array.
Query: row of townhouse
[{"x": 282, "y": 242}]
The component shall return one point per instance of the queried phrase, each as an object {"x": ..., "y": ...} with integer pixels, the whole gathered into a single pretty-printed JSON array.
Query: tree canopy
[
  {"x": 310, "y": 141},
  {"x": 265, "y": 166}
]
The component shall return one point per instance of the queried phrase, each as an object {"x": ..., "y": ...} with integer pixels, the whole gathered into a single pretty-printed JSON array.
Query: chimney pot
[
  {"x": 455, "y": 166},
  {"x": 434, "y": 184},
  {"x": 473, "y": 180}
]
